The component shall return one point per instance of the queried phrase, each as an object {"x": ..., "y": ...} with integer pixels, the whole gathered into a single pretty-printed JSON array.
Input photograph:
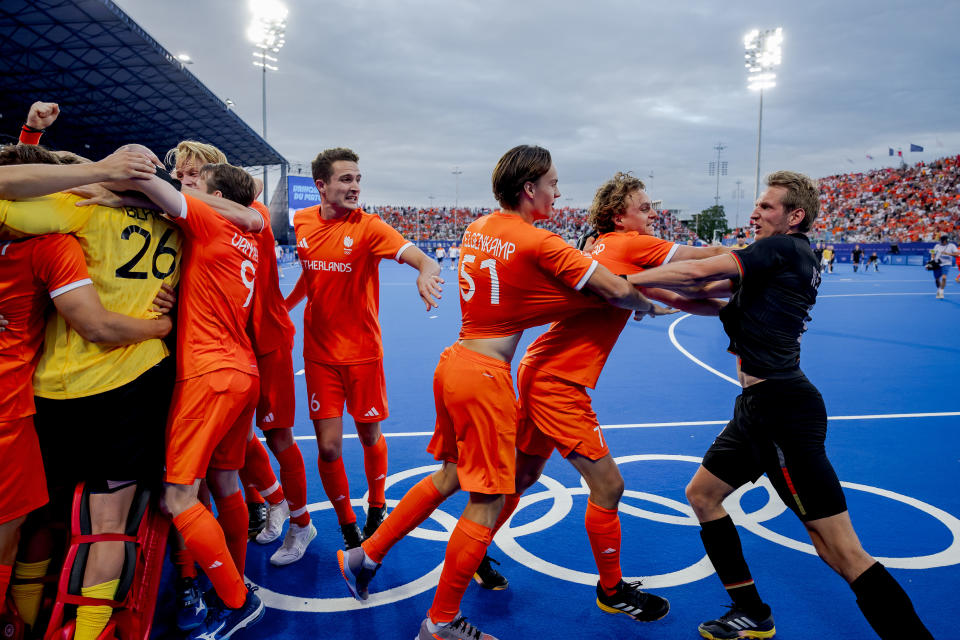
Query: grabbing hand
[
  {"x": 656, "y": 310},
  {"x": 96, "y": 194},
  {"x": 123, "y": 165},
  {"x": 42, "y": 114},
  {"x": 165, "y": 299}
]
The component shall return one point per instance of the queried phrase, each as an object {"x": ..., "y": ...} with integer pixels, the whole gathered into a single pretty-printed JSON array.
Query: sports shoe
[
  {"x": 355, "y": 572},
  {"x": 258, "y": 518},
  {"x": 488, "y": 577},
  {"x": 222, "y": 622},
  {"x": 192, "y": 609},
  {"x": 939, "y": 294},
  {"x": 459, "y": 629},
  {"x": 351, "y": 535},
  {"x": 737, "y": 624},
  {"x": 277, "y": 514},
  {"x": 629, "y": 599},
  {"x": 375, "y": 516},
  {"x": 294, "y": 544}
]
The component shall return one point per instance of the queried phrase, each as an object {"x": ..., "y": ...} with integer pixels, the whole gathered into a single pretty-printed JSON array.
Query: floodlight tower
[
  {"x": 763, "y": 53},
  {"x": 268, "y": 24},
  {"x": 456, "y": 201}
]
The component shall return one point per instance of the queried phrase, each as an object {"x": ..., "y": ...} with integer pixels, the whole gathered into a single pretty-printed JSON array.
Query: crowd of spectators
[
  {"x": 445, "y": 223},
  {"x": 915, "y": 203}
]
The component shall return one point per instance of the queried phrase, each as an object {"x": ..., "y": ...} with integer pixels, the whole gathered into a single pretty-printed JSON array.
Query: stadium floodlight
[
  {"x": 184, "y": 58},
  {"x": 267, "y": 28},
  {"x": 763, "y": 55}
]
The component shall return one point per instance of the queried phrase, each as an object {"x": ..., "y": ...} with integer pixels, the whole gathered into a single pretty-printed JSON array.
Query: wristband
[
  {"x": 29, "y": 135},
  {"x": 164, "y": 175}
]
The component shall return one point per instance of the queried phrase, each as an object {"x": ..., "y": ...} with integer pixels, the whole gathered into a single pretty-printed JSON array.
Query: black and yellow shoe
[
  {"x": 258, "y": 518},
  {"x": 737, "y": 624},
  {"x": 488, "y": 577},
  {"x": 629, "y": 599}
]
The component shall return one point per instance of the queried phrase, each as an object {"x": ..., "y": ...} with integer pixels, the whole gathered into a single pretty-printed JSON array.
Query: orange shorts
[
  {"x": 208, "y": 424},
  {"x": 277, "y": 404},
  {"x": 476, "y": 420},
  {"x": 556, "y": 413},
  {"x": 362, "y": 386},
  {"x": 23, "y": 486}
]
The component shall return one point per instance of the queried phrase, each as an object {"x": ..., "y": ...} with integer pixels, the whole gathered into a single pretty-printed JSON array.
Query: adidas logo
[
  {"x": 303, "y": 243},
  {"x": 381, "y": 476},
  {"x": 216, "y": 563},
  {"x": 373, "y": 413},
  {"x": 608, "y": 551},
  {"x": 339, "y": 498},
  {"x": 268, "y": 417}
]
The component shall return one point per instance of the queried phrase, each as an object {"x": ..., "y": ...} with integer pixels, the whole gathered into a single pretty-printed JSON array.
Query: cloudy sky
[{"x": 419, "y": 87}]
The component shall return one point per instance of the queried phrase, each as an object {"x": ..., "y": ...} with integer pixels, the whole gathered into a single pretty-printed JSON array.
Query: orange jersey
[
  {"x": 514, "y": 276},
  {"x": 340, "y": 260},
  {"x": 270, "y": 325},
  {"x": 576, "y": 348},
  {"x": 32, "y": 272},
  {"x": 216, "y": 293}
]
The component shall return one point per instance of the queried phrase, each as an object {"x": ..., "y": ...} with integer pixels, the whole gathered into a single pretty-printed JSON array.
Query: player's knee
[
  {"x": 330, "y": 451},
  {"x": 698, "y": 499}
]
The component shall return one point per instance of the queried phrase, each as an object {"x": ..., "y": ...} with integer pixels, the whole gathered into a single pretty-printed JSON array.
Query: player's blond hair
[
  {"x": 611, "y": 200},
  {"x": 802, "y": 193},
  {"x": 11, "y": 154},
  {"x": 200, "y": 153}
]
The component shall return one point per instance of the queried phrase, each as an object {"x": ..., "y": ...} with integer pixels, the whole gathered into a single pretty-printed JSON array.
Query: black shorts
[
  {"x": 116, "y": 435},
  {"x": 779, "y": 428}
]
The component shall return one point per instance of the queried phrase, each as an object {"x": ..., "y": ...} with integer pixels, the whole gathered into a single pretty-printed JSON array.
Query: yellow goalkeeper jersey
[{"x": 129, "y": 253}]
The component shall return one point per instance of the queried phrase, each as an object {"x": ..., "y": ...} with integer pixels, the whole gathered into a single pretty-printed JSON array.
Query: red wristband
[{"x": 29, "y": 135}]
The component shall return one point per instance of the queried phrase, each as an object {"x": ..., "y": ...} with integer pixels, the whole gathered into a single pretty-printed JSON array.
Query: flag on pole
[
  {"x": 900, "y": 152},
  {"x": 869, "y": 157},
  {"x": 915, "y": 147},
  {"x": 891, "y": 151}
]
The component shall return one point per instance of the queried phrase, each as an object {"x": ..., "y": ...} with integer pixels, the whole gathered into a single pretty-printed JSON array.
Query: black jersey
[
  {"x": 770, "y": 307},
  {"x": 857, "y": 255}
]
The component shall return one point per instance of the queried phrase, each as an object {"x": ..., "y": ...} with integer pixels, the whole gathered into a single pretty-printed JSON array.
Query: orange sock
[
  {"x": 258, "y": 472},
  {"x": 465, "y": 550},
  {"x": 603, "y": 529},
  {"x": 509, "y": 506},
  {"x": 414, "y": 508},
  {"x": 204, "y": 539},
  {"x": 6, "y": 570},
  {"x": 232, "y": 516},
  {"x": 335, "y": 485},
  {"x": 293, "y": 477},
  {"x": 183, "y": 561},
  {"x": 375, "y": 466}
]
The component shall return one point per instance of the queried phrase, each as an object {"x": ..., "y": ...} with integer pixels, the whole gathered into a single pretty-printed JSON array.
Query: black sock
[
  {"x": 886, "y": 606},
  {"x": 722, "y": 543}
]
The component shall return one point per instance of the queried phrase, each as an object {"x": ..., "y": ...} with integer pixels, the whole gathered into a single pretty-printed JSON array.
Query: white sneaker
[
  {"x": 939, "y": 294},
  {"x": 277, "y": 514},
  {"x": 294, "y": 545}
]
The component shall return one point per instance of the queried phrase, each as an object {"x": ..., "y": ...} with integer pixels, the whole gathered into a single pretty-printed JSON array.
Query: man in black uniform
[
  {"x": 857, "y": 256},
  {"x": 873, "y": 260},
  {"x": 779, "y": 422}
]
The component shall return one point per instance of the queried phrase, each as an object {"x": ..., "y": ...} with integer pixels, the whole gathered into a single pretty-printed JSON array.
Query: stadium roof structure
[{"x": 114, "y": 84}]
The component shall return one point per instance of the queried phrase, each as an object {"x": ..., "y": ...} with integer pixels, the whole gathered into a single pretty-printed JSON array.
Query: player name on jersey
[
  {"x": 324, "y": 265},
  {"x": 491, "y": 245},
  {"x": 246, "y": 246}
]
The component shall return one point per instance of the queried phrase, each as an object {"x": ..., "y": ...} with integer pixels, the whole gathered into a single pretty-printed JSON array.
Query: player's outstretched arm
[
  {"x": 688, "y": 276},
  {"x": 299, "y": 293},
  {"x": 243, "y": 217},
  {"x": 429, "y": 282},
  {"x": 696, "y": 306},
  {"x": 619, "y": 292},
  {"x": 18, "y": 182},
  {"x": 82, "y": 309}
]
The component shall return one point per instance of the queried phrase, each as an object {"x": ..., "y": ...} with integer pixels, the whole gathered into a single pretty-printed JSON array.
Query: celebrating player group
[{"x": 145, "y": 346}]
